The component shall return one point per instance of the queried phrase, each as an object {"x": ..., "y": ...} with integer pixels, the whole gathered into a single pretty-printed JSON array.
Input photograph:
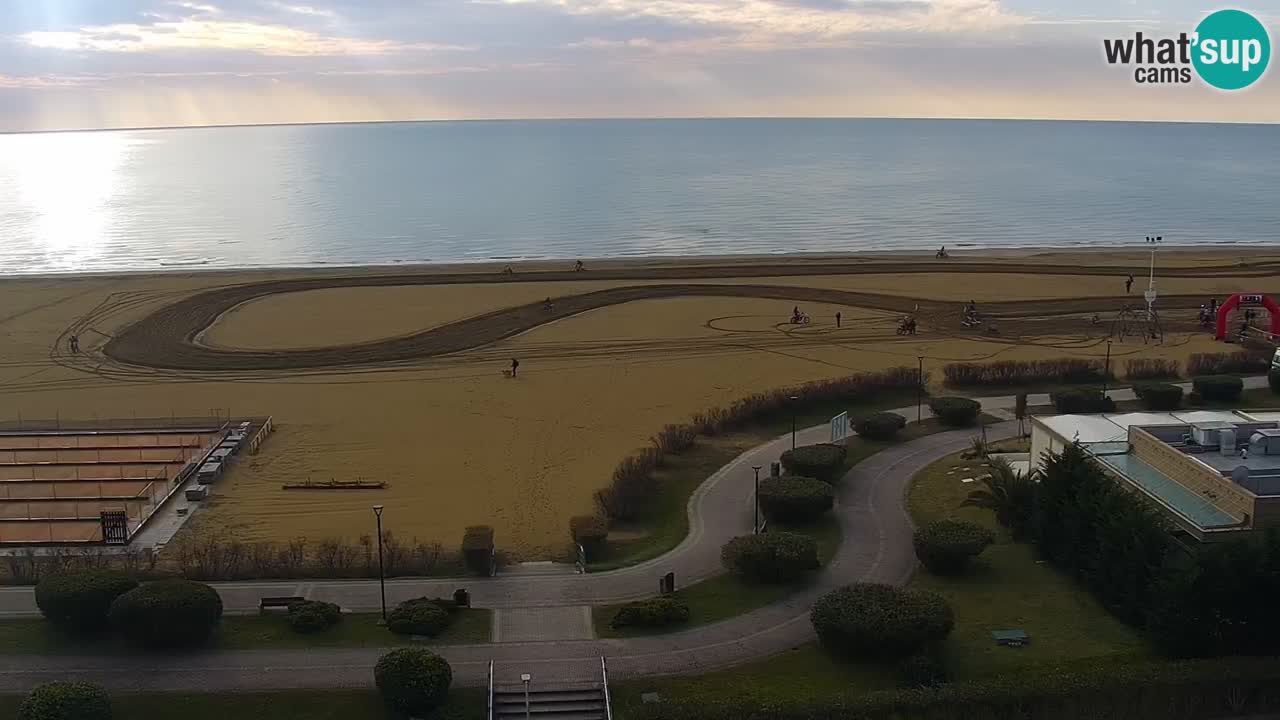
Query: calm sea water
[{"x": 447, "y": 192}]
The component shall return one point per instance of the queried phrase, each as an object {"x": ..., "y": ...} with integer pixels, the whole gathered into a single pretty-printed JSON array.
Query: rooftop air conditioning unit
[
  {"x": 1269, "y": 439},
  {"x": 1209, "y": 434}
]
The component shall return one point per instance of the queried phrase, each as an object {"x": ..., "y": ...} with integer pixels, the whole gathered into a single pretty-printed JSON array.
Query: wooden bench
[
  {"x": 1010, "y": 638},
  {"x": 283, "y": 601}
]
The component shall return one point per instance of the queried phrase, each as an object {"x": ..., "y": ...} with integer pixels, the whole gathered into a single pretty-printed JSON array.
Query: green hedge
[
  {"x": 1024, "y": 372},
  {"x": 955, "y": 411},
  {"x": 311, "y": 616},
  {"x": 824, "y": 461},
  {"x": 1218, "y": 388},
  {"x": 874, "y": 620},
  {"x": 1233, "y": 363},
  {"x": 1141, "y": 691},
  {"x": 420, "y": 616},
  {"x": 80, "y": 601},
  {"x": 1082, "y": 401},
  {"x": 66, "y": 701},
  {"x": 1151, "y": 369},
  {"x": 880, "y": 426},
  {"x": 412, "y": 681},
  {"x": 795, "y": 499},
  {"x": 657, "y": 612},
  {"x": 167, "y": 613},
  {"x": 775, "y": 557},
  {"x": 945, "y": 547},
  {"x": 1159, "y": 396}
]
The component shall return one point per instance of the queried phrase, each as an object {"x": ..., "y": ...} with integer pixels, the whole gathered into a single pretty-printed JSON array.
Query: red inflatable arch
[{"x": 1249, "y": 300}]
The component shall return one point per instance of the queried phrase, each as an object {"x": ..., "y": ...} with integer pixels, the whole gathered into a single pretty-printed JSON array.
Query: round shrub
[
  {"x": 412, "y": 681},
  {"x": 923, "y": 670},
  {"x": 823, "y": 461},
  {"x": 793, "y": 499},
  {"x": 1218, "y": 388},
  {"x": 420, "y": 616},
  {"x": 1082, "y": 401},
  {"x": 80, "y": 601},
  {"x": 66, "y": 701},
  {"x": 1159, "y": 396},
  {"x": 313, "y": 616},
  {"x": 955, "y": 411},
  {"x": 655, "y": 612},
  {"x": 167, "y": 613},
  {"x": 946, "y": 546},
  {"x": 872, "y": 620},
  {"x": 1273, "y": 379},
  {"x": 880, "y": 426},
  {"x": 589, "y": 531},
  {"x": 776, "y": 557}
]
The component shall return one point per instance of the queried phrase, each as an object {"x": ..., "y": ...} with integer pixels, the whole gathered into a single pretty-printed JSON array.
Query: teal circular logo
[{"x": 1231, "y": 49}]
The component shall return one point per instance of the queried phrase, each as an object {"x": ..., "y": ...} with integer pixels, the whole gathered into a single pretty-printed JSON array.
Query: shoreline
[{"x": 492, "y": 265}]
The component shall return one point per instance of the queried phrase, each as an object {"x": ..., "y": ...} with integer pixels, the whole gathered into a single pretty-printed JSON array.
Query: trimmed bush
[
  {"x": 955, "y": 411},
  {"x": 880, "y": 426},
  {"x": 477, "y": 549},
  {"x": 419, "y": 616},
  {"x": 412, "y": 681},
  {"x": 1236, "y": 363},
  {"x": 776, "y": 557},
  {"x": 823, "y": 461},
  {"x": 655, "y": 612},
  {"x": 312, "y": 616},
  {"x": 1273, "y": 379},
  {"x": 1024, "y": 372},
  {"x": 873, "y": 620},
  {"x": 924, "y": 670},
  {"x": 1218, "y": 388},
  {"x": 589, "y": 531},
  {"x": 167, "y": 613},
  {"x": 80, "y": 602},
  {"x": 1082, "y": 401},
  {"x": 1159, "y": 396},
  {"x": 1151, "y": 369},
  {"x": 794, "y": 499},
  {"x": 66, "y": 701},
  {"x": 945, "y": 547}
]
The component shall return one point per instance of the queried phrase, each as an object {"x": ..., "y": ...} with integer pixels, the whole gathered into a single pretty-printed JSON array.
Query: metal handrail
[
  {"x": 490, "y": 713},
  {"x": 604, "y": 676}
]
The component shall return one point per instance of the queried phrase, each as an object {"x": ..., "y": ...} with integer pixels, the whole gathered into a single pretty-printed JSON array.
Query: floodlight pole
[
  {"x": 382, "y": 577},
  {"x": 755, "y": 521},
  {"x": 794, "y": 400},
  {"x": 919, "y": 386},
  {"x": 1106, "y": 370}
]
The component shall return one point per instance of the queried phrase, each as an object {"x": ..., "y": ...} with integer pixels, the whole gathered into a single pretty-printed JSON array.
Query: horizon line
[{"x": 311, "y": 123}]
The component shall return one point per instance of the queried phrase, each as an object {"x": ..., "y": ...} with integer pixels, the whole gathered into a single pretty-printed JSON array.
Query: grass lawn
[
  {"x": 35, "y": 636},
  {"x": 725, "y": 596},
  {"x": 462, "y": 704},
  {"x": 1009, "y": 588}
]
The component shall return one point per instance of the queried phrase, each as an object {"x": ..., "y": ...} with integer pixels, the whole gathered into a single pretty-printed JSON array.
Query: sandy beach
[{"x": 459, "y": 444}]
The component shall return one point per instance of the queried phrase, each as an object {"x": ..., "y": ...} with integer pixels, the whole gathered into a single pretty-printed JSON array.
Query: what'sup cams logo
[{"x": 1229, "y": 50}]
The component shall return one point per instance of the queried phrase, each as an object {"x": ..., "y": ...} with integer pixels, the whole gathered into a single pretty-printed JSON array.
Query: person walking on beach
[
  {"x": 837, "y": 319},
  {"x": 74, "y": 342},
  {"x": 1128, "y": 284},
  {"x": 515, "y": 365}
]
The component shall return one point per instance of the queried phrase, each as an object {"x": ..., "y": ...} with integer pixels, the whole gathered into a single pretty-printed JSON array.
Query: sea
[{"x": 484, "y": 191}]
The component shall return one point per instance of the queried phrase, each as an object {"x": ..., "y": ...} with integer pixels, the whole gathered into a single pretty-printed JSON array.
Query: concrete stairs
[{"x": 550, "y": 701}]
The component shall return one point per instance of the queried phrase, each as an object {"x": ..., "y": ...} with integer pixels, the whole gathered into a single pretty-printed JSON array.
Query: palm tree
[{"x": 1008, "y": 493}]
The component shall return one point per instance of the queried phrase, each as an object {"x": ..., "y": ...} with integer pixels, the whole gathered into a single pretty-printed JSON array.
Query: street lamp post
[
  {"x": 1106, "y": 370},
  {"x": 755, "y": 522},
  {"x": 382, "y": 577},
  {"x": 919, "y": 386},
  {"x": 794, "y": 400}
]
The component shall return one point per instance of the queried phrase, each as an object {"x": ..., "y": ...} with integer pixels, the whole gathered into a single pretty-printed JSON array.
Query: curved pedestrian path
[{"x": 876, "y": 547}]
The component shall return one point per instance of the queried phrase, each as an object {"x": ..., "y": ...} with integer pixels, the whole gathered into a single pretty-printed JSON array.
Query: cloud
[{"x": 194, "y": 34}]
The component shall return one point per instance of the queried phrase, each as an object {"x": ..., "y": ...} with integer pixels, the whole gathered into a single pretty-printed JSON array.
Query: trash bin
[
  {"x": 667, "y": 584},
  {"x": 775, "y": 469},
  {"x": 462, "y": 598}
]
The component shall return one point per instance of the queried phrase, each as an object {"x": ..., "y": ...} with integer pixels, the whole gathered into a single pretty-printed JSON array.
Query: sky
[{"x": 71, "y": 64}]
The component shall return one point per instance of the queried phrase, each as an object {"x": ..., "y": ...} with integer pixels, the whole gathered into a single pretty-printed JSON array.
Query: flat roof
[
  {"x": 1114, "y": 427},
  {"x": 1198, "y": 510}
]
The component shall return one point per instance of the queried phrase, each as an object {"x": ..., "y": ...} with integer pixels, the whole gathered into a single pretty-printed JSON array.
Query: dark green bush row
[
  {"x": 824, "y": 461},
  {"x": 657, "y": 612},
  {"x": 1218, "y": 388},
  {"x": 412, "y": 681},
  {"x": 795, "y": 499},
  {"x": 955, "y": 411},
  {"x": 1189, "y": 690},
  {"x": 1024, "y": 372},
  {"x": 312, "y": 616},
  {"x": 1236, "y": 363},
  {"x": 1273, "y": 380},
  {"x": 66, "y": 701},
  {"x": 1082, "y": 401},
  {"x": 633, "y": 485},
  {"x": 945, "y": 547},
  {"x": 880, "y": 426},
  {"x": 167, "y": 613},
  {"x": 1151, "y": 369},
  {"x": 426, "y": 617},
  {"x": 1159, "y": 396},
  {"x": 872, "y": 620},
  {"x": 775, "y": 557},
  {"x": 79, "y": 602},
  {"x": 477, "y": 549}
]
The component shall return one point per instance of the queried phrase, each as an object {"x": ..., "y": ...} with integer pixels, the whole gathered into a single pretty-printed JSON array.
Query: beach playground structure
[{"x": 1247, "y": 301}]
